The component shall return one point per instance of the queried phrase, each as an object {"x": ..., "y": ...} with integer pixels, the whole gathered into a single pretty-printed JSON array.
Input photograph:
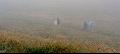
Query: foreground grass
[
  {"x": 12, "y": 42},
  {"x": 21, "y": 43}
]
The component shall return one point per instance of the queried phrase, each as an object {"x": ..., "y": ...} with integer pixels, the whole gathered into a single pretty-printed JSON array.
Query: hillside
[
  {"x": 28, "y": 32},
  {"x": 17, "y": 42}
]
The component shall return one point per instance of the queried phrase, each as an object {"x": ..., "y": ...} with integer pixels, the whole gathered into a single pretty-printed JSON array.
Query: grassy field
[
  {"x": 21, "y": 43},
  {"x": 11, "y": 42},
  {"x": 31, "y": 36}
]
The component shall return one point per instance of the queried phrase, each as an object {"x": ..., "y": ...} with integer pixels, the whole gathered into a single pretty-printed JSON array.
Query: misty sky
[
  {"x": 74, "y": 9},
  {"x": 98, "y": 6}
]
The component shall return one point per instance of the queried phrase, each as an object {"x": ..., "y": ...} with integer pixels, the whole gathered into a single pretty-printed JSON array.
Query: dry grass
[
  {"x": 11, "y": 42},
  {"x": 21, "y": 43}
]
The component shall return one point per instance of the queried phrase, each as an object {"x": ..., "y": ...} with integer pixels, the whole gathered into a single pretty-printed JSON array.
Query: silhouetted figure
[
  {"x": 89, "y": 25},
  {"x": 56, "y": 21}
]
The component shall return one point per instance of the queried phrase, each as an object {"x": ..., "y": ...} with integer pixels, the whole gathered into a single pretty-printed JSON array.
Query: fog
[
  {"x": 71, "y": 12},
  {"x": 93, "y": 24}
]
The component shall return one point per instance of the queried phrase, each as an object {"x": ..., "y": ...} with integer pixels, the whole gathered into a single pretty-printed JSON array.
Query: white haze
[{"x": 106, "y": 13}]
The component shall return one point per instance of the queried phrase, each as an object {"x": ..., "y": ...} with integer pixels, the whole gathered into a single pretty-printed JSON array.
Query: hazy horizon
[
  {"x": 92, "y": 24},
  {"x": 105, "y": 12}
]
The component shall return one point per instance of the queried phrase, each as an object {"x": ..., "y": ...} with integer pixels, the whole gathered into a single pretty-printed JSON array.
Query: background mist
[{"x": 106, "y": 13}]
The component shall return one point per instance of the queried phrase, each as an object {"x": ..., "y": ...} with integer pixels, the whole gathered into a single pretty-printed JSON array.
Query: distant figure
[
  {"x": 89, "y": 25},
  {"x": 56, "y": 21}
]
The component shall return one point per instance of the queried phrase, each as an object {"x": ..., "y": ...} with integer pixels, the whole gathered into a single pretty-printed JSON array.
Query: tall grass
[
  {"x": 21, "y": 43},
  {"x": 11, "y": 42}
]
